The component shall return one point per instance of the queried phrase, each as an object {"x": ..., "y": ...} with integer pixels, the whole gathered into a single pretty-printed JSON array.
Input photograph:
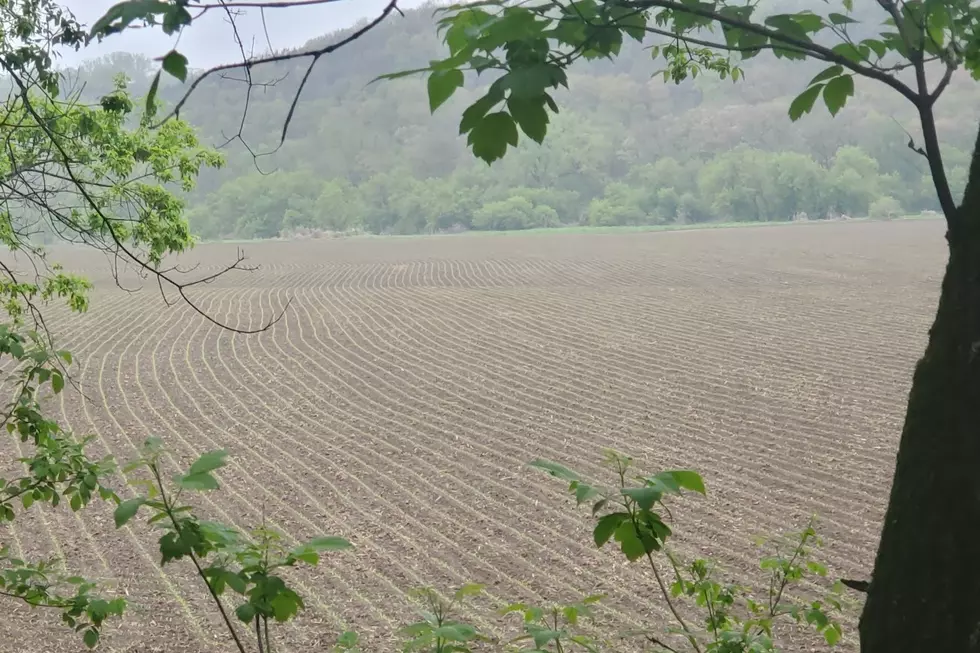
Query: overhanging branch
[
  {"x": 811, "y": 49},
  {"x": 79, "y": 185},
  {"x": 249, "y": 63}
]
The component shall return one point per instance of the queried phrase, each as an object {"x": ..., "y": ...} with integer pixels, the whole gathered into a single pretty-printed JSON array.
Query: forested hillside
[{"x": 627, "y": 148}]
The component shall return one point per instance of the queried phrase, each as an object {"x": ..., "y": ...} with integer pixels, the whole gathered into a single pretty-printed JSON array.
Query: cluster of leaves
[
  {"x": 547, "y": 629},
  {"x": 555, "y": 628},
  {"x": 630, "y": 513},
  {"x": 169, "y": 15},
  {"x": 737, "y": 621},
  {"x": 250, "y": 565},
  {"x": 527, "y": 46},
  {"x": 439, "y": 630},
  {"x": 626, "y": 513},
  {"x": 108, "y": 184},
  {"x": 30, "y": 30},
  {"x": 57, "y": 470},
  {"x": 43, "y": 585}
]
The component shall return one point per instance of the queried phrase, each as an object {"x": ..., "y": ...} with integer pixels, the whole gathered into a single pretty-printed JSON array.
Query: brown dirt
[{"x": 410, "y": 380}]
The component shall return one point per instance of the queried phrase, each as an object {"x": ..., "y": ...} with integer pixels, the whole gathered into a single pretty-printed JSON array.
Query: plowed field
[{"x": 410, "y": 380}]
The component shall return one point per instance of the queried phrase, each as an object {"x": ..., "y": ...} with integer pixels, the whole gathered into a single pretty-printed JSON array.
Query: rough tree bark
[{"x": 925, "y": 589}]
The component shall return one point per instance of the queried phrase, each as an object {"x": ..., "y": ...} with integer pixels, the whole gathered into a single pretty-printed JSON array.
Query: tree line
[{"x": 746, "y": 184}]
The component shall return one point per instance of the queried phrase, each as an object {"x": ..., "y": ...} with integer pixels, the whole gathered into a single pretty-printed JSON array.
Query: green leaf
[
  {"x": 571, "y": 614},
  {"x": 469, "y": 589},
  {"x": 176, "y": 18},
  {"x": 245, "y": 612},
  {"x": 606, "y": 526},
  {"x": 542, "y": 636},
  {"x": 584, "y": 492},
  {"x": 127, "y": 510},
  {"x": 399, "y": 74},
  {"x": 75, "y": 503},
  {"x": 208, "y": 462},
  {"x": 455, "y": 632},
  {"x": 827, "y": 73},
  {"x": 27, "y": 500},
  {"x": 804, "y": 102},
  {"x": 197, "y": 482},
  {"x": 57, "y": 382},
  {"x": 850, "y": 52},
  {"x": 531, "y": 81},
  {"x": 347, "y": 639},
  {"x": 644, "y": 497},
  {"x": 685, "y": 479},
  {"x": 840, "y": 19},
  {"x": 441, "y": 86},
  {"x": 235, "y": 582},
  {"x": 631, "y": 21},
  {"x": 332, "y": 543},
  {"x": 876, "y": 46},
  {"x": 788, "y": 25},
  {"x": 125, "y": 13},
  {"x": 809, "y": 21},
  {"x": 307, "y": 556},
  {"x": 532, "y": 117},
  {"x": 937, "y": 32},
  {"x": 832, "y": 634},
  {"x": 836, "y": 92},
  {"x": 416, "y": 629},
  {"x": 816, "y": 568},
  {"x": 91, "y": 638},
  {"x": 629, "y": 541},
  {"x": 556, "y": 470},
  {"x": 476, "y": 111},
  {"x": 176, "y": 64},
  {"x": 817, "y": 618},
  {"x": 285, "y": 605}
]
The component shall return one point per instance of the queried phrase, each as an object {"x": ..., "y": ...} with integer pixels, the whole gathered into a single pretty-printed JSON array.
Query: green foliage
[
  {"x": 530, "y": 45},
  {"x": 387, "y": 156},
  {"x": 82, "y": 173},
  {"x": 250, "y": 565},
  {"x": 57, "y": 471},
  {"x": 630, "y": 511},
  {"x": 742, "y": 185},
  {"x": 43, "y": 584},
  {"x": 555, "y": 627},
  {"x": 885, "y": 208},
  {"x": 439, "y": 630}
]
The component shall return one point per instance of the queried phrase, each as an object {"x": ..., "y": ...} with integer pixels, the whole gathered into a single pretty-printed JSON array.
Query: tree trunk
[{"x": 925, "y": 588}]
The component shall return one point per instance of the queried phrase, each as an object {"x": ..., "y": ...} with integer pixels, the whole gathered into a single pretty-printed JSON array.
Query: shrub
[{"x": 885, "y": 208}]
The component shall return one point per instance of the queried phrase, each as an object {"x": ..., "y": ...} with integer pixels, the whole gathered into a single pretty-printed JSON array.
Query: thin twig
[
  {"x": 253, "y": 62},
  {"x": 670, "y": 604},
  {"x": 168, "y": 508}
]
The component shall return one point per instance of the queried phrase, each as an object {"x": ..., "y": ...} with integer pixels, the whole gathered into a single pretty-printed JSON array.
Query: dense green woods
[{"x": 627, "y": 149}]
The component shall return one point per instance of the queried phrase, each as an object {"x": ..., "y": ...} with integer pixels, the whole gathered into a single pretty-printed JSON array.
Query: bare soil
[{"x": 409, "y": 381}]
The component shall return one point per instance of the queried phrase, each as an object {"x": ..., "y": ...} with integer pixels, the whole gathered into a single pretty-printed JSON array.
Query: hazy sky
[{"x": 209, "y": 41}]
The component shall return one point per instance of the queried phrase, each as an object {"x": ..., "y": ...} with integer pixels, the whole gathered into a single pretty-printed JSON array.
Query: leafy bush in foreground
[{"x": 630, "y": 514}]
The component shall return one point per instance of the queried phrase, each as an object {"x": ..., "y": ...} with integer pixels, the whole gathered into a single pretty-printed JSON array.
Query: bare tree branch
[{"x": 248, "y": 63}]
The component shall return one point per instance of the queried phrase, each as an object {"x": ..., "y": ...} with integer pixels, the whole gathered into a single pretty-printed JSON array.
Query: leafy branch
[
  {"x": 629, "y": 513},
  {"x": 223, "y": 557}
]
